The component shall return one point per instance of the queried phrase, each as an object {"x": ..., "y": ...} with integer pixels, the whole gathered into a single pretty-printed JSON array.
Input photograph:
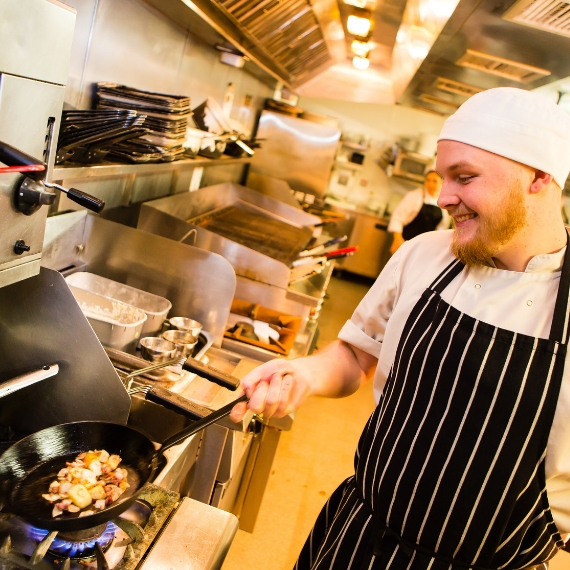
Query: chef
[
  {"x": 465, "y": 462},
  {"x": 418, "y": 213}
]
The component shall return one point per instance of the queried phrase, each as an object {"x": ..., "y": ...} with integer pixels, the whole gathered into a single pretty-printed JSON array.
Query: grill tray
[{"x": 274, "y": 238}]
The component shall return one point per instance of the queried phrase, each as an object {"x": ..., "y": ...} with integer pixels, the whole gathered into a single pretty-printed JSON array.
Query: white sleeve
[
  {"x": 365, "y": 329},
  {"x": 405, "y": 211}
]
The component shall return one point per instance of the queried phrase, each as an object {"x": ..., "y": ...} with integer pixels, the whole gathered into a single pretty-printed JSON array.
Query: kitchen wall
[{"x": 384, "y": 124}]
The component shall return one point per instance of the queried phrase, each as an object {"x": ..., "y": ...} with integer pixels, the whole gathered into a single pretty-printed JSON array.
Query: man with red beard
[{"x": 465, "y": 463}]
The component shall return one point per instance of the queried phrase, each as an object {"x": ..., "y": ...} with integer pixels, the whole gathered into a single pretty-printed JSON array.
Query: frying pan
[{"x": 30, "y": 465}]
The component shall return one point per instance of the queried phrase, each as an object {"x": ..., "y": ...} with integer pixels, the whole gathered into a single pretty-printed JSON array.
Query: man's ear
[{"x": 540, "y": 182}]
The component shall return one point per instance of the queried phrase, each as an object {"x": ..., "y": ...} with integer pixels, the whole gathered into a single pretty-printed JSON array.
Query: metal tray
[
  {"x": 116, "y": 324},
  {"x": 155, "y": 307}
]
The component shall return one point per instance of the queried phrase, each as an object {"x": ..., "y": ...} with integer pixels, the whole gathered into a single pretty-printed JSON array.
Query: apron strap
[
  {"x": 447, "y": 276},
  {"x": 559, "y": 328}
]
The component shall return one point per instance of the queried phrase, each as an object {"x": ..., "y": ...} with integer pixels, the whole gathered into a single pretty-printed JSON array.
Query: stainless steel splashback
[
  {"x": 169, "y": 217},
  {"x": 198, "y": 283}
]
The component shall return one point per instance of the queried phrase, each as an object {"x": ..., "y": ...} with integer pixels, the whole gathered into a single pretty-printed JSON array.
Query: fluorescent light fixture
[
  {"x": 359, "y": 48},
  {"x": 361, "y": 62},
  {"x": 356, "y": 3},
  {"x": 358, "y": 26}
]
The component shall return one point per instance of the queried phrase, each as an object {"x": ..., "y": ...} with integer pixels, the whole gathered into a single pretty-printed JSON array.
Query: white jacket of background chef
[
  {"x": 410, "y": 206},
  {"x": 520, "y": 302}
]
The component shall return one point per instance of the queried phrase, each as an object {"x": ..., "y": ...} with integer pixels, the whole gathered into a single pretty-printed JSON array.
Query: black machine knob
[
  {"x": 30, "y": 196},
  {"x": 20, "y": 247}
]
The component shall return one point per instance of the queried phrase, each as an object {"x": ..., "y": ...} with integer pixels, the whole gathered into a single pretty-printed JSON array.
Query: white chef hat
[{"x": 517, "y": 124}]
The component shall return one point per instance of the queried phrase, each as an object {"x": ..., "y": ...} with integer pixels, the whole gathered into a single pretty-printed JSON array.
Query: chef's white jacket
[
  {"x": 520, "y": 302},
  {"x": 410, "y": 206}
]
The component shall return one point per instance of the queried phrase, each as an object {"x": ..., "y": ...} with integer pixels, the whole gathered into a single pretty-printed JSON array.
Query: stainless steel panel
[
  {"x": 295, "y": 150},
  {"x": 245, "y": 261},
  {"x": 197, "y": 537},
  {"x": 86, "y": 387},
  {"x": 187, "y": 276},
  {"x": 25, "y": 107},
  {"x": 35, "y": 39},
  {"x": 168, "y": 217}
]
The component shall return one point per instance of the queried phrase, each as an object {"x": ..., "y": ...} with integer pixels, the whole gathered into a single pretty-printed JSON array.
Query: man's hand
[
  {"x": 280, "y": 386},
  {"x": 275, "y": 388}
]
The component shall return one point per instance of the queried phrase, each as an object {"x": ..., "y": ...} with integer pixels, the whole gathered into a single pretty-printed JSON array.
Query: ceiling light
[
  {"x": 360, "y": 48},
  {"x": 358, "y": 26},
  {"x": 361, "y": 62},
  {"x": 357, "y": 3}
]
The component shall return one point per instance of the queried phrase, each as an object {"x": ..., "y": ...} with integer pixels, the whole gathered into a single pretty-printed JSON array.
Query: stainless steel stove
[{"x": 160, "y": 530}]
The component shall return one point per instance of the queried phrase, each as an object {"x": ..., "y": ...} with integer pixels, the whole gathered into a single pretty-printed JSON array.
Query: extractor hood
[
  {"x": 492, "y": 43},
  {"x": 285, "y": 41}
]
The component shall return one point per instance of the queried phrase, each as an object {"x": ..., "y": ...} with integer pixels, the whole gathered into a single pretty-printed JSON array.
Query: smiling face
[{"x": 484, "y": 193}]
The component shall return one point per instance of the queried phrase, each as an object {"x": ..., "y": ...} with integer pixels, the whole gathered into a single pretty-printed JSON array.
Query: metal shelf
[{"x": 111, "y": 169}]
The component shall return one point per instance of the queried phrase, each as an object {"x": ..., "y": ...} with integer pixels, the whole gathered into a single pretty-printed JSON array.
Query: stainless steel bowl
[
  {"x": 157, "y": 349},
  {"x": 184, "y": 324},
  {"x": 185, "y": 341}
]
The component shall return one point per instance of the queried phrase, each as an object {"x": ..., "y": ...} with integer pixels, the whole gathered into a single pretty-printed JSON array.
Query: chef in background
[{"x": 418, "y": 213}]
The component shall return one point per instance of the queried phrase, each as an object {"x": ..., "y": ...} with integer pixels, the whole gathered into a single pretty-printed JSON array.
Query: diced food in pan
[{"x": 93, "y": 480}]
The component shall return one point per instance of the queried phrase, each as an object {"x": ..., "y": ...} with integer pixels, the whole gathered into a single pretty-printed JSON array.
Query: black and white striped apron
[{"x": 450, "y": 468}]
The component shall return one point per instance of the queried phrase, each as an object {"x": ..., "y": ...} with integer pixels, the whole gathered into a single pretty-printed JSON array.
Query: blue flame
[{"x": 75, "y": 549}]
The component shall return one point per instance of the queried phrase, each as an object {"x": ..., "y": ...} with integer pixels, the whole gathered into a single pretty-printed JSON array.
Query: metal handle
[
  {"x": 200, "y": 424},
  {"x": 211, "y": 374},
  {"x": 82, "y": 198},
  {"x": 28, "y": 379},
  {"x": 177, "y": 403}
]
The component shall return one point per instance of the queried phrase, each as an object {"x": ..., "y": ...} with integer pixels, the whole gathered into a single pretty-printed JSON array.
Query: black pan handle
[
  {"x": 200, "y": 424},
  {"x": 212, "y": 374},
  {"x": 177, "y": 403}
]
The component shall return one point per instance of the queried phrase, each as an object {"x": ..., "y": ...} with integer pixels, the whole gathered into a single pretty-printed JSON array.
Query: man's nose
[{"x": 447, "y": 196}]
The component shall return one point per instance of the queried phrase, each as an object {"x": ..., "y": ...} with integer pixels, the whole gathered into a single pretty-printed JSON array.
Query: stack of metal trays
[
  {"x": 90, "y": 136},
  {"x": 166, "y": 122}
]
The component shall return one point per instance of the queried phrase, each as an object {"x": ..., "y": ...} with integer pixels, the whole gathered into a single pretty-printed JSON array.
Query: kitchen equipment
[
  {"x": 184, "y": 341},
  {"x": 323, "y": 246},
  {"x": 33, "y": 79},
  {"x": 116, "y": 324},
  {"x": 298, "y": 151},
  {"x": 157, "y": 349},
  {"x": 185, "y": 324},
  {"x": 89, "y": 136},
  {"x": 28, "y": 379},
  {"x": 155, "y": 307},
  {"x": 166, "y": 120},
  {"x": 42, "y": 323},
  {"x": 27, "y": 467}
]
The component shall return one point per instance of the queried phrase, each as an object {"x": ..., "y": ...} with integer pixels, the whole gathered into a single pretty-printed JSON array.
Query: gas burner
[{"x": 80, "y": 544}]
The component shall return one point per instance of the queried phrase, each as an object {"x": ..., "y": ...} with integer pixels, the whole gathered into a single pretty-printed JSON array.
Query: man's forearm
[{"x": 338, "y": 370}]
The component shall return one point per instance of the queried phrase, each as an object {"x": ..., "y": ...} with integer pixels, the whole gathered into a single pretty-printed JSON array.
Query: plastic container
[
  {"x": 155, "y": 307},
  {"x": 116, "y": 324}
]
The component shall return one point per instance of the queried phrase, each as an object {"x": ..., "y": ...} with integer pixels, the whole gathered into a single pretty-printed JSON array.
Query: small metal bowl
[
  {"x": 184, "y": 324},
  {"x": 157, "y": 349},
  {"x": 184, "y": 341}
]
